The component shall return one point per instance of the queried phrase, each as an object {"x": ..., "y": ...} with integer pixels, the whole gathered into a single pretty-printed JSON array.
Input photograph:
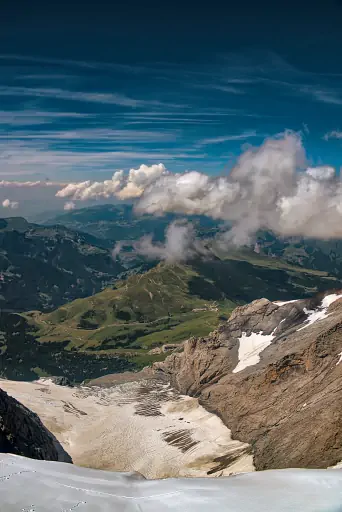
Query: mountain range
[
  {"x": 71, "y": 309},
  {"x": 44, "y": 267}
]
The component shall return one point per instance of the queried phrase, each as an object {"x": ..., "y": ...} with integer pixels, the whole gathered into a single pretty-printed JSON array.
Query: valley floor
[{"x": 141, "y": 426}]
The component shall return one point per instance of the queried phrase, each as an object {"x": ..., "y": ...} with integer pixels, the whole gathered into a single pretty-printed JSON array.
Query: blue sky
[{"x": 86, "y": 90}]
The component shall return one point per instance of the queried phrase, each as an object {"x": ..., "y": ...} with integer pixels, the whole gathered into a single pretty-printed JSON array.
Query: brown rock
[{"x": 289, "y": 405}]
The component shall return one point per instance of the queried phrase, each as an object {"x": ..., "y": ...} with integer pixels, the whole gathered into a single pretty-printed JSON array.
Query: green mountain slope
[
  {"x": 43, "y": 267},
  {"x": 158, "y": 300},
  {"x": 323, "y": 255},
  {"x": 116, "y": 329}
]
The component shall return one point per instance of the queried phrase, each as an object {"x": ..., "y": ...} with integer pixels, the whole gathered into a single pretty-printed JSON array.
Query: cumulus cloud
[
  {"x": 7, "y": 203},
  {"x": 321, "y": 173},
  {"x": 121, "y": 185},
  {"x": 69, "y": 205},
  {"x": 180, "y": 244},
  {"x": 271, "y": 187}
]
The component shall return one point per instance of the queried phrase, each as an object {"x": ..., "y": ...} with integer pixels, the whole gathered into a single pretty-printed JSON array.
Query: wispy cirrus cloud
[
  {"x": 81, "y": 96},
  {"x": 46, "y": 76},
  {"x": 271, "y": 70},
  {"x": 323, "y": 95},
  {"x": 226, "y": 138},
  {"x": 36, "y": 117},
  {"x": 334, "y": 134},
  {"x": 72, "y": 63},
  {"x": 94, "y": 134},
  {"x": 20, "y": 157},
  {"x": 230, "y": 89}
]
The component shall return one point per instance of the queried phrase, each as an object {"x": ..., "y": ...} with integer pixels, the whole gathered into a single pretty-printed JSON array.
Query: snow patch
[
  {"x": 340, "y": 358},
  {"x": 281, "y": 303},
  {"x": 321, "y": 312},
  {"x": 337, "y": 466},
  {"x": 250, "y": 347}
]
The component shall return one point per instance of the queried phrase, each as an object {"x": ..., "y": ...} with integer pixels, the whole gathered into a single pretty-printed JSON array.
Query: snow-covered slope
[{"x": 28, "y": 485}]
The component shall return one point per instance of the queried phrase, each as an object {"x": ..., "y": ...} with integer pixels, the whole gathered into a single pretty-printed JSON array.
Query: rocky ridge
[
  {"x": 272, "y": 372},
  {"x": 22, "y": 433}
]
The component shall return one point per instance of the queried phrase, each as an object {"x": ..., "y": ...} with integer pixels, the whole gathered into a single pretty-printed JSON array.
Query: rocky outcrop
[
  {"x": 22, "y": 433},
  {"x": 61, "y": 381},
  {"x": 169, "y": 347},
  {"x": 287, "y": 405}
]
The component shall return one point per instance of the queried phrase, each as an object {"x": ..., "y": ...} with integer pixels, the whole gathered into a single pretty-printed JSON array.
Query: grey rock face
[
  {"x": 22, "y": 433},
  {"x": 287, "y": 405},
  {"x": 61, "y": 381}
]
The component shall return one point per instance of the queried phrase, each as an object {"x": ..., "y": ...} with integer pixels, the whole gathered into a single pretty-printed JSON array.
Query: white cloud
[
  {"x": 7, "y": 203},
  {"x": 69, "y": 205},
  {"x": 180, "y": 244},
  {"x": 334, "y": 134},
  {"x": 121, "y": 186},
  {"x": 321, "y": 173},
  {"x": 31, "y": 184},
  {"x": 270, "y": 187}
]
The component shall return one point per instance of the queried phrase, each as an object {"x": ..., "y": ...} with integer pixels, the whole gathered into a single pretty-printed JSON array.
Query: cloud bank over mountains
[
  {"x": 121, "y": 186},
  {"x": 180, "y": 244},
  {"x": 270, "y": 187}
]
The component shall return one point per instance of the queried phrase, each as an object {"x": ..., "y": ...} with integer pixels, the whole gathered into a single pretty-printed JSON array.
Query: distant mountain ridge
[
  {"x": 120, "y": 222},
  {"x": 310, "y": 253},
  {"x": 43, "y": 267}
]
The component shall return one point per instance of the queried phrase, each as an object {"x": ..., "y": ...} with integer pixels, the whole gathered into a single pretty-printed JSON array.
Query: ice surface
[
  {"x": 321, "y": 312},
  {"x": 250, "y": 347},
  {"x": 40, "y": 486},
  {"x": 141, "y": 426}
]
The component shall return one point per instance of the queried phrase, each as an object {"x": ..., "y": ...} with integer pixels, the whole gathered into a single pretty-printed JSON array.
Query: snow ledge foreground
[{"x": 39, "y": 486}]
